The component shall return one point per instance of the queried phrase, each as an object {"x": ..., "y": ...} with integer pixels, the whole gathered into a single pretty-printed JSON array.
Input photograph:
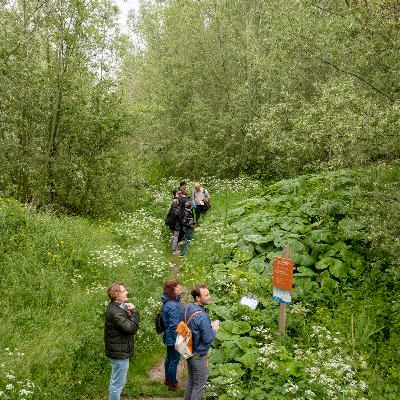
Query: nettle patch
[{"x": 317, "y": 219}]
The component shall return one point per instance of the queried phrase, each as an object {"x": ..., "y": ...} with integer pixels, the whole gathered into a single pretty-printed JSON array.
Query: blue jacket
[
  {"x": 200, "y": 325},
  {"x": 172, "y": 313}
]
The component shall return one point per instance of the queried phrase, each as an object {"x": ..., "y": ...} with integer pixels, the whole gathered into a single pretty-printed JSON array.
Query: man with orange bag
[{"x": 203, "y": 334}]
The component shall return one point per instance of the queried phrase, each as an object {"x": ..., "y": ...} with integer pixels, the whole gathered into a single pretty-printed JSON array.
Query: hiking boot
[
  {"x": 174, "y": 388},
  {"x": 166, "y": 382}
]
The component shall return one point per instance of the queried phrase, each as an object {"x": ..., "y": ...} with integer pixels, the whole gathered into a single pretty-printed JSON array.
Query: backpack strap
[{"x": 192, "y": 315}]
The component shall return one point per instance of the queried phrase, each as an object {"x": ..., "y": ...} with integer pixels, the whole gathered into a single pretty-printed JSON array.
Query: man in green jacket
[{"x": 121, "y": 324}]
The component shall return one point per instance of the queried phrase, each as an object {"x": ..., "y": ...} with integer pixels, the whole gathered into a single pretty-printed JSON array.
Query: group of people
[
  {"x": 185, "y": 211},
  {"x": 122, "y": 322}
]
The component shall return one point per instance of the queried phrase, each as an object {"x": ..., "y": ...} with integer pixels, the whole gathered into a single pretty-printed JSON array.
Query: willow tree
[
  {"x": 60, "y": 115},
  {"x": 271, "y": 88}
]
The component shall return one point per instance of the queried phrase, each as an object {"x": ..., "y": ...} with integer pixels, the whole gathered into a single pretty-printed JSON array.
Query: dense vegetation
[
  {"x": 270, "y": 88},
  {"x": 54, "y": 273},
  {"x": 210, "y": 87},
  {"x": 342, "y": 334},
  {"x": 301, "y": 95}
]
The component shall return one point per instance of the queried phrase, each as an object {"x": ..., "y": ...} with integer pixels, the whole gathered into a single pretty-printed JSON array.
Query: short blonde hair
[
  {"x": 113, "y": 289},
  {"x": 197, "y": 185}
]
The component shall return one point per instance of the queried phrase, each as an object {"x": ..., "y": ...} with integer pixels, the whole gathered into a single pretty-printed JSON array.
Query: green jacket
[{"x": 119, "y": 329}]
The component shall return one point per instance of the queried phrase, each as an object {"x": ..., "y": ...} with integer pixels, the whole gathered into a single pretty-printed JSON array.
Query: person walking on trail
[
  {"x": 121, "y": 324},
  {"x": 173, "y": 221},
  {"x": 201, "y": 198},
  {"x": 182, "y": 187},
  {"x": 188, "y": 224},
  {"x": 172, "y": 314},
  {"x": 203, "y": 334}
]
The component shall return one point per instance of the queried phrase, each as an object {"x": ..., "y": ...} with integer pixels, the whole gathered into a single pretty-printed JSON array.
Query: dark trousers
[
  {"x": 199, "y": 211},
  {"x": 171, "y": 365}
]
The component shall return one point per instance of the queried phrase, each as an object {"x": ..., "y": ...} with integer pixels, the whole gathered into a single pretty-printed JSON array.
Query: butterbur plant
[{"x": 11, "y": 385}]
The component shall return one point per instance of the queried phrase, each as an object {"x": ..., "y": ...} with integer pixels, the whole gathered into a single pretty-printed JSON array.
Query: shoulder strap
[{"x": 192, "y": 315}]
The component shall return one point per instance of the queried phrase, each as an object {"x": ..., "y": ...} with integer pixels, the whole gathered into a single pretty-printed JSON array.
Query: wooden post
[{"x": 282, "y": 306}]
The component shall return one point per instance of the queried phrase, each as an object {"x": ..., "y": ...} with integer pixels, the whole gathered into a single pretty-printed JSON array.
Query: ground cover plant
[
  {"x": 54, "y": 272},
  {"x": 342, "y": 332}
]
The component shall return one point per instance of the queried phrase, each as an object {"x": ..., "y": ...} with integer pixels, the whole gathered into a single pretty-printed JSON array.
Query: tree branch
[{"x": 392, "y": 99}]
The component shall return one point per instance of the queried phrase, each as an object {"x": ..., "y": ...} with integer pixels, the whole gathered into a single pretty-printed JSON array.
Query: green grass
[
  {"x": 54, "y": 271},
  {"x": 54, "y": 274}
]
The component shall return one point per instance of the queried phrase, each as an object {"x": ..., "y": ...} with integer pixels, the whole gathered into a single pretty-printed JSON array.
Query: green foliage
[
  {"x": 340, "y": 228},
  {"x": 271, "y": 88},
  {"x": 55, "y": 271}
]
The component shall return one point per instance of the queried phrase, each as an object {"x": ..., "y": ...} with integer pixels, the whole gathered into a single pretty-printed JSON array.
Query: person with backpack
[
  {"x": 188, "y": 223},
  {"x": 201, "y": 198},
  {"x": 121, "y": 324},
  {"x": 172, "y": 314},
  {"x": 203, "y": 334},
  {"x": 173, "y": 221}
]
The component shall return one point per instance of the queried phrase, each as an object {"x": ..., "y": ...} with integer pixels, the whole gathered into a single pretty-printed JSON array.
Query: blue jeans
[
  {"x": 119, "y": 370},
  {"x": 187, "y": 235},
  {"x": 171, "y": 364}
]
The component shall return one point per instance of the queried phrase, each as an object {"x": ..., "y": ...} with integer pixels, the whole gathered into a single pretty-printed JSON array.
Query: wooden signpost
[{"x": 282, "y": 280}]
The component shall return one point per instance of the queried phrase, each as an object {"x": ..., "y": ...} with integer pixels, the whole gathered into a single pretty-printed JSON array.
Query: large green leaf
[
  {"x": 328, "y": 285},
  {"x": 256, "y": 239},
  {"x": 226, "y": 326},
  {"x": 232, "y": 370},
  {"x": 244, "y": 253},
  {"x": 249, "y": 360},
  {"x": 241, "y": 327},
  {"x": 222, "y": 311},
  {"x": 304, "y": 271},
  {"x": 338, "y": 269},
  {"x": 245, "y": 342},
  {"x": 236, "y": 213},
  {"x": 292, "y": 224},
  {"x": 325, "y": 263},
  {"x": 231, "y": 350},
  {"x": 217, "y": 356},
  {"x": 306, "y": 260}
]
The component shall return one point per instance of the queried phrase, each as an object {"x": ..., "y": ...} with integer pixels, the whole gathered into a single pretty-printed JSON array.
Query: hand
[
  {"x": 215, "y": 325},
  {"x": 129, "y": 307}
]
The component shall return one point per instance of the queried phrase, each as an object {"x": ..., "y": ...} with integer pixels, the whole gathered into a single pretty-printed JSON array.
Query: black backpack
[
  {"x": 169, "y": 220},
  {"x": 159, "y": 323}
]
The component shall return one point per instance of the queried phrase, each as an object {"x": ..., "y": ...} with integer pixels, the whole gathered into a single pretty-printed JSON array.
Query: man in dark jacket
[
  {"x": 203, "y": 334},
  {"x": 121, "y": 324}
]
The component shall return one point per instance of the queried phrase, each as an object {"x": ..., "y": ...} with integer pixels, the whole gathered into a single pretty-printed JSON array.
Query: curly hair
[{"x": 169, "y": 288}]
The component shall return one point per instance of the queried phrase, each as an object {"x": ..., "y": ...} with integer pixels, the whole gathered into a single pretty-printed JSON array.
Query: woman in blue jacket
[{"x": 172, "y": 313}]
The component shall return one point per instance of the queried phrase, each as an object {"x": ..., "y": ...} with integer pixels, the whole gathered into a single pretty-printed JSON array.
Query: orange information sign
[{"x": 283, "y": 273}]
